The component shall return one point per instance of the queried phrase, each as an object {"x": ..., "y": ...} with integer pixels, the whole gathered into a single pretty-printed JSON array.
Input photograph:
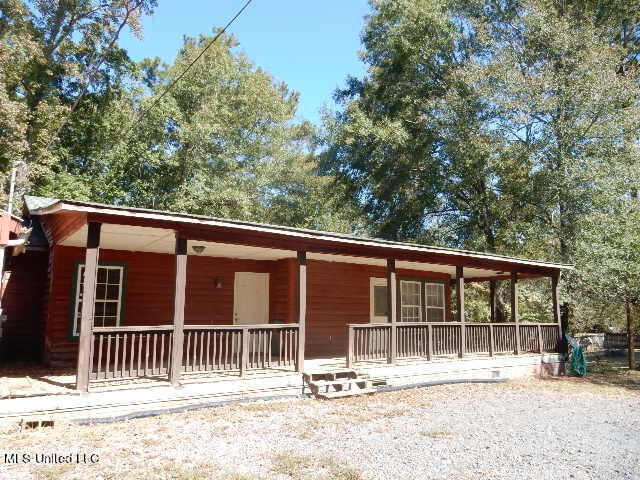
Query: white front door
[{"x": 251, "y": 298}]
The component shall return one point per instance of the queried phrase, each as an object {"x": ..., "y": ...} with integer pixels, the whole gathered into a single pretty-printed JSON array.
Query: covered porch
[{"x": 323, "y": 296}]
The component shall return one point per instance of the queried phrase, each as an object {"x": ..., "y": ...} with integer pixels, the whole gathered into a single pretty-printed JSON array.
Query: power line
[{"x": 202, "y": 52}]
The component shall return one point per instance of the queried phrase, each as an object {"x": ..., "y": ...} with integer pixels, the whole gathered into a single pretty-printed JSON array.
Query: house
[{"x": 130, "y": 292}]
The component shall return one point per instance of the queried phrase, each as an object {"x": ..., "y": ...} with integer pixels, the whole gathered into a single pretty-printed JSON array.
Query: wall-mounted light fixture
[
  {"x": 217, "y": 282},
  {"x": 198, "y": 248}
]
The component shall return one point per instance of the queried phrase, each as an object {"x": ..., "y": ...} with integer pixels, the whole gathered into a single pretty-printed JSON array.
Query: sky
[{"x": 310, "y": 45}]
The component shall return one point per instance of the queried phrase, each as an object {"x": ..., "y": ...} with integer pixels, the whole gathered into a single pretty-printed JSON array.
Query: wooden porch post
[
  {"x": 244, "y": 351},
  {"x": 178, "y": 311},
  {"x": 514, "y": 308},
  {"x": 492, "y": 340},
  {"x": 92, "y": 254},
  {"x": 557, "y": 318},
  {"x": 302, "y": 307},
  {"x": 392, "y": 308},
  {"x": 350, "y": 345},
  {"x": 460, "y": 308}
]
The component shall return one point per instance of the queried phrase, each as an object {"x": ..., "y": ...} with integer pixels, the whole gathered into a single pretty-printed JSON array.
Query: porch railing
[
  {"x": 239, "y": 347},
  {"x": 372, "y": 341},
  {"x": 145, "y": 351},
  {"x": 123, "y": 352}
]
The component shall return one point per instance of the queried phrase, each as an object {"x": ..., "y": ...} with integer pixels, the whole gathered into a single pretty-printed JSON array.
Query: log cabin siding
[
  {"x": 24, "y": 296},
  {"x": 148, "y": 299},
  {"x": 337, "y": 294},
  {"x": 206, "y": 304}
]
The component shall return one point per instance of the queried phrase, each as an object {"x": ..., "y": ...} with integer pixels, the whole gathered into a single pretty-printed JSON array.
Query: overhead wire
[{"x": 202, "y": 52}]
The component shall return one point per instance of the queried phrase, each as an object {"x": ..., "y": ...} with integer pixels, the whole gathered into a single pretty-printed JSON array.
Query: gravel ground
[{"x": 526, "y": 429}]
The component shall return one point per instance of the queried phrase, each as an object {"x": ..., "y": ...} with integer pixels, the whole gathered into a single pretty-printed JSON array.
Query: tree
[
  {"x": 223, "y": 141},
  {"x": 91, "y": 124},
  {"x": 59, "y": 59},
  {"x": 568, "y": 109},
  {"x": 491, "y": 125},
  {"x": 608, "y": 262}
]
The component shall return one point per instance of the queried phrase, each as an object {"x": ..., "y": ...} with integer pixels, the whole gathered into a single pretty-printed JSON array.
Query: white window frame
[
  {"x": 433, "y": 307},
  {"x": 420, "y": 296},
  {"x": 79, "y": 279},
  {"x": 373, "y": 283}
]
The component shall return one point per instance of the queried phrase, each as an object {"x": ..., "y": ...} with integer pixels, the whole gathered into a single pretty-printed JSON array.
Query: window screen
[
  {"x": 434, "y": 293},
  {"x": 410, "y": 301}
]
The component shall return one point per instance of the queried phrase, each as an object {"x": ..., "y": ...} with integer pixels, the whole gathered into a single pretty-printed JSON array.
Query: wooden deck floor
[
  {"x": 30, "y": 381},
  {"x": 44, "y": 395}
]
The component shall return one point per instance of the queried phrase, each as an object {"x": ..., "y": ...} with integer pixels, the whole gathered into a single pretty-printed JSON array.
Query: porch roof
[{"x": 64, "y": 222}]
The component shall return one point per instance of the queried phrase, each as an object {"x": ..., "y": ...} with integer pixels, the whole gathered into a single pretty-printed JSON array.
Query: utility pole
[{"x": 12, "y": 185}]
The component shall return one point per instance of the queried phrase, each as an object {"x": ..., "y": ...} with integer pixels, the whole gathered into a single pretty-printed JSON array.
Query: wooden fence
[
  {"x": 618, "y": 341},
  {"x": 372, "y": 341},
  {"x": 132, "y": 351}
]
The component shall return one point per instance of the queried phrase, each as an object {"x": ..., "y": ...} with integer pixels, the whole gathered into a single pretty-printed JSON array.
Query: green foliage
[
  {"x": 58, "y": 60},
  {"x": 509, "y": 126},
  {"x": 224, "y": 141},
  {"x": 492, "y": 125},
  {"x": 608, "y": 260}
]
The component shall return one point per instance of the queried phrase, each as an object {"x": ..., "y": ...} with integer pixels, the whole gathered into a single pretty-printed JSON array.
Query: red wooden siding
[
  {"x": 206, "y": 304},
  {"x": 9, "y": 227},
  {"x": 23, "y": 300},
  {"x": 148, "y": 299},
  {"x": 59, "y": 226},
  {"x": 338, "y": 294}
]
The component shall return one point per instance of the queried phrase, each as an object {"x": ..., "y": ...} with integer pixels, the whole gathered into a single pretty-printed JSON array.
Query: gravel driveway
[{"x": 529, "y": 429}]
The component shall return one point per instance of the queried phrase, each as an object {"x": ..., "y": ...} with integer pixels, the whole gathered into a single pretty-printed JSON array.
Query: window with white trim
[
  {"x": 410, "y": 301},
  {"x": 108, "y": 302},
  {"x": 434, "y": 295}
]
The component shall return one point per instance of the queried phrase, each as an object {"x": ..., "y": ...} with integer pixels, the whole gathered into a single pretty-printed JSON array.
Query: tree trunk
[
  {"x": 564, "y": 322},
  {"x": 631, "y": 335}
]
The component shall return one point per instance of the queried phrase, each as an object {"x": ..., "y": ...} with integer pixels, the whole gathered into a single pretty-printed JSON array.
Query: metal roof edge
[{"x": 43, "y": 206}]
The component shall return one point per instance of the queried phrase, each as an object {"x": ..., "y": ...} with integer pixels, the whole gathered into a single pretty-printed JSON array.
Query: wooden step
[
  {"x": 353, "y": 384},
  {"x": 345, "y": 393},
  {"x": 329, "y": 375},
  {"x": 337, "y": 383},
  {"x": 347, "y": 381},
  {"x": 375, "y": 381}
]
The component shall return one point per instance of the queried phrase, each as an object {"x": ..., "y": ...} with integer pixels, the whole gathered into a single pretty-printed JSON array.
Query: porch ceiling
[
  {"x": 124, "y": 237},
  {"x": 158, "y": 240}
]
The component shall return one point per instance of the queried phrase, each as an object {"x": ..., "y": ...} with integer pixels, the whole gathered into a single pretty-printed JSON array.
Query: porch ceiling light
[{"x": 198, "y": 248}]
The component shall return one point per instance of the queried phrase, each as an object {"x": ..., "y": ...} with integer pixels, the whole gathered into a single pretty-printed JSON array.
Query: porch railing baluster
[{"x": 370, "y": 341}]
